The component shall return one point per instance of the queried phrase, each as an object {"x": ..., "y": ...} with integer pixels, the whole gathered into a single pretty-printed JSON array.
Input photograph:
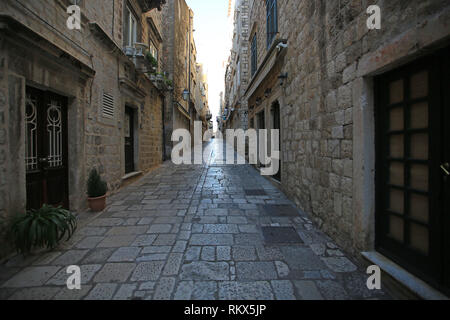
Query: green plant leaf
[
  {"x": 41, "y": 228},
  {"x": 96, "y": 187}
]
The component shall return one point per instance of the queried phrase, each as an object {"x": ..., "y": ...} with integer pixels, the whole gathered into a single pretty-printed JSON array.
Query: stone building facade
[
  {"x": 318, "y": 73},
  {"x": 201, "y": 97},
  {"x": 221, "y": 118},
  {"x": 237, "y": 73},
  {"x": 180, "y": 60},
  {"x": 71, "y": 99}
]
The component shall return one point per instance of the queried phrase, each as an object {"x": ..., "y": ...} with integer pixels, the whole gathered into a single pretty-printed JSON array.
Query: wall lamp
[{"x": 186, "y": 94}]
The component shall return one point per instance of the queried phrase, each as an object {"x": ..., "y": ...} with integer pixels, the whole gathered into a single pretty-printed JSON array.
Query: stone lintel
[{"x": 23, "y": 36}]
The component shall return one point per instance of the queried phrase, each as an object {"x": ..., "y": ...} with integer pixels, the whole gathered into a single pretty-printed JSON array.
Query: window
[
  {"x": 153, "y": 50},
  {"x": 238, "y": 73},
  {"x": 254, "y": 55},
  {"x": 238, "y": 25},
  {"x": 272, "y": 21},
  {"x": 130, "y": 30}
]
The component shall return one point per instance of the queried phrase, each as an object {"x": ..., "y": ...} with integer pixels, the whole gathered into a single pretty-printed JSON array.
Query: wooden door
[
  {"x": 46, "y": 149},
  {"x": 129, "y": 140},
  {"x": 445, "y": 160},
  {"x": 277, "y": 126},
  {"x": 412, "y": 145}
]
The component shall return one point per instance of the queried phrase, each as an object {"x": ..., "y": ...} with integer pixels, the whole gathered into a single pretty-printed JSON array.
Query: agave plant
[{"x": 43, "y": 228}]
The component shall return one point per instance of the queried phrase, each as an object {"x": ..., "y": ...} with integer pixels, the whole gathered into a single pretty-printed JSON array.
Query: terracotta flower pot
[{"x": 97, "y": 204}]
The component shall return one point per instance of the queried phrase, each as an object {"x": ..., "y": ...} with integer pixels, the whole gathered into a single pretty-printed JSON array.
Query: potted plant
[
  {"x": 96, "y": 189},
  {"x": 160, "y": 77},
  {"x": 152, "y": 62},
  {"x": 41, "y": 228},
  {"x": 169, "y": 84}
]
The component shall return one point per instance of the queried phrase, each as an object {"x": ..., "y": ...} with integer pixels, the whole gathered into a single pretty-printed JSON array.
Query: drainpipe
[
  {"x": 189, "y": 76},
  {"x": 113, "y": 16}
]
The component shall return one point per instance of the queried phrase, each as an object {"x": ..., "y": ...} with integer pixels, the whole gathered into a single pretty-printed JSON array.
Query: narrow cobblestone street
[{"x": 193, "y": 233}]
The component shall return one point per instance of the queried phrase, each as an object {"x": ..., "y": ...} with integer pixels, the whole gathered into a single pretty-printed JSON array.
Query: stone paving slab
[
  {"x": 66, "y": 294},
  {"x": 203, "y": 271},
  {"x": 87, "y": 273},
  {"x": 211, "y": 239},
  {"x": 307, "y": 290},
  {"x": 70, "y": 257},
  {"x": 193, "y": 233},
  {"x": 102, "y": 291},
  {"x": 283, "y": 289},
  {"x": 114, "y": 272},
  {"x": 280, "y": 235},
  {"x": 258, "y": 290},
  {"x": 117, "y": 241},
  {"x": 42, "y": 293},
  {"x": 99, "y": 255},
  {"x": 31, "y": 277},
  {"x": 148, "y": 271},
  {"x": 249, "y": 271},
  {"x": 125, "y": 254},
  {"x": 301, "y": 258}
]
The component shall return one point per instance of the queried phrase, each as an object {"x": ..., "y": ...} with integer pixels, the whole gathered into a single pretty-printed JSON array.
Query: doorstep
[
  {"x": 275, "y": 182},
  {"x": 412, "y": 283},
  {"x": 131, "y": 175}
]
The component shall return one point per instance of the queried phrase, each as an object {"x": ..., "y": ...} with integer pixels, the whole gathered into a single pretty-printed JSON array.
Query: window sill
[{"x": 417, "y": 286}]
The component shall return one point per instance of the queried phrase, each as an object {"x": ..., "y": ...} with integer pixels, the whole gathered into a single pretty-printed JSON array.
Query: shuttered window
[{"x": 108, "y": 106}]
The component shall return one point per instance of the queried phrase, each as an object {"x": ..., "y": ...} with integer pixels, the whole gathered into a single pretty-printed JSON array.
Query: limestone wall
[
  {"x": 92, "y": 65},
  {"x": 327, "y": 109},
  {"x": 239, "y": 66},
  {"x": 176, "y": 16}
]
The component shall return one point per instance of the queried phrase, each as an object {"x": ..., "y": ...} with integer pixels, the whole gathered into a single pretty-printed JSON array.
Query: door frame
[
  {"x": 44, "y": 98},
  {"x": 275, "y": 111},
  {"x": 132, "y": 113},
  {"x": 439, "y": 239},
  {"x": 445, "y": 81}
]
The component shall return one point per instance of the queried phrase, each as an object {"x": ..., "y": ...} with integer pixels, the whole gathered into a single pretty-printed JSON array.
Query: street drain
[
  {"x": 255, "y": 192},
  {"x": 283, "y": 210},
  {"x": 281, "y": 235}
]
